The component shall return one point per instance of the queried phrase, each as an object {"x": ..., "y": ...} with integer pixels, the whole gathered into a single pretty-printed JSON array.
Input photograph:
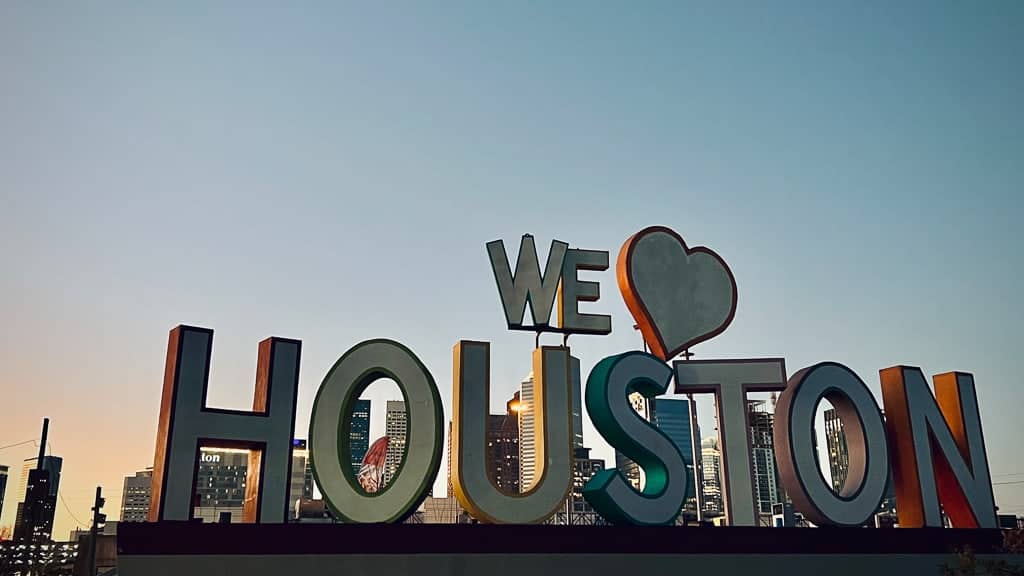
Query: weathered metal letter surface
[{"x": 186, "y": 425}]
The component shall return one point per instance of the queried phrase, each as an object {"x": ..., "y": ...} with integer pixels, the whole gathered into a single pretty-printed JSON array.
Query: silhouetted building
[
  {"x": 136, "y": 495},
  {"x": 502, "y": 448},
  {"x": 3, "y": 486},
  {"x": 106, "y": 556},
  {"x": 35, "y": 514},
  {"x": 51, "y": 463}
]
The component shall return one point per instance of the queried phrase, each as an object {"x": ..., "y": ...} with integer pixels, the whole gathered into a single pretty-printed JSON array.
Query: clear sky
[{"x": 331, "y": 172}]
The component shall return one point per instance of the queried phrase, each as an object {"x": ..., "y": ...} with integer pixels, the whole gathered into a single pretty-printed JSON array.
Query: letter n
[
  {"x": 187, "y": 424},
  {"x": 937, "y": 450}
]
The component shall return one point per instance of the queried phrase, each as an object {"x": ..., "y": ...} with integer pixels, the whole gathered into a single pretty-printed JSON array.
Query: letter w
[{"x": 528, "y": 285}]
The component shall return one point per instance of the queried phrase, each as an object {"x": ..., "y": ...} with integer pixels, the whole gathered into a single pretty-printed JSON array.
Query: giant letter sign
[
  {"x": 608, "y": 389},
  {"x": 730, "y": 381},
  {"x": 553, "y": 421},
  {"x": 679, "y": 297},
  {"x": 332, "y": 420},
  {"x": 938, "y": 449},
  {"x": 572, "y": 290},
  {"x": 528, "y": 284},
  {"x": 186, "y": 425},
  {"x": 796, "y": 449}
]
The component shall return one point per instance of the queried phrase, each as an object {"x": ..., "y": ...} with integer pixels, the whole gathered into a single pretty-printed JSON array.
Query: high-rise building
[
  {"x": 395, "y": 428},
  {"x": 838, "y": 455},
  {"x": 451, "y": 487},
  {"x": 3, "y": 486},
  {"x": 629, "y": 469},
  {"x": 359, "y": 434},
  {"x": 527, "y": 444},
  {"x": 136, "y": 495},
  {"x": 839, "y": 460},
  {"x": 584, "y": 468},
  {"x": 527, "y": 420},
  {"x": 577, "y": 404},
  {"x": 502, "y": 448},
  {"x": 220, "y": 484},
  {"x": 27, "y": 466},
  {"x": 301, "y": 482},
  {"x": 767, "y": 488},
  {"x": 51, "y": 463},
  {"x": 42, "y": 484},
  {"x": 711, "y": 457},
  {"x": 672, "y": 416}
]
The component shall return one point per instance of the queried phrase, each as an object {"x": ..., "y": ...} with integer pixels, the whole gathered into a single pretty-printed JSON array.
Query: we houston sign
[{"x": 679, "y": 296}]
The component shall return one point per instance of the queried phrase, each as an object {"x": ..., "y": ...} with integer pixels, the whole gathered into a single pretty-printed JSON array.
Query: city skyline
[{"x": 858, "y": 169}]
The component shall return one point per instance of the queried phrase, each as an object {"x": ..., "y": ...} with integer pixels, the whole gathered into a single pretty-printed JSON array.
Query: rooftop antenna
[{"x": 42, "y": 444}]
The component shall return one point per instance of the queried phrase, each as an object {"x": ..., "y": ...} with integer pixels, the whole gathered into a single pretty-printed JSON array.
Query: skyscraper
[
  {"x": 42, "y": 484},
  {"x": 527, "y": 445},
  {"x": 220, "y": 483},
  {"x": 359, "y": 434},
  {"x": 838, "y": 455},
  {"x": 3, "y": 486},
  {"x": 503, "y": 447},
  {"x": 395, "y": 428},
  {"x": 888, "y": 505},
  {"x": 136, "y": 495},
  {"x": 584, "y": 468},
  {"x": 767, "y": 489},
  {"x": 51, "y": 463},
  {"x": 672, "y": 416},
  {"x": 451, "y": 487},
  {"x": 839, "y": 460},
  {"x": 301, "y": 482},
  {"x": 711, "y": 456},
  {"x": 527, "y": 421},
  {"x": 577, "y": 403}
]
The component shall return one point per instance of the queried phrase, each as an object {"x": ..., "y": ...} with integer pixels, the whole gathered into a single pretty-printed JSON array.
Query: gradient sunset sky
[{"x": 331, "y": 172}]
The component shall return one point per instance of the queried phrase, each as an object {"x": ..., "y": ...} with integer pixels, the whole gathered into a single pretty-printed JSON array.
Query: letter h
[{"x": 187, "y": 425}]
